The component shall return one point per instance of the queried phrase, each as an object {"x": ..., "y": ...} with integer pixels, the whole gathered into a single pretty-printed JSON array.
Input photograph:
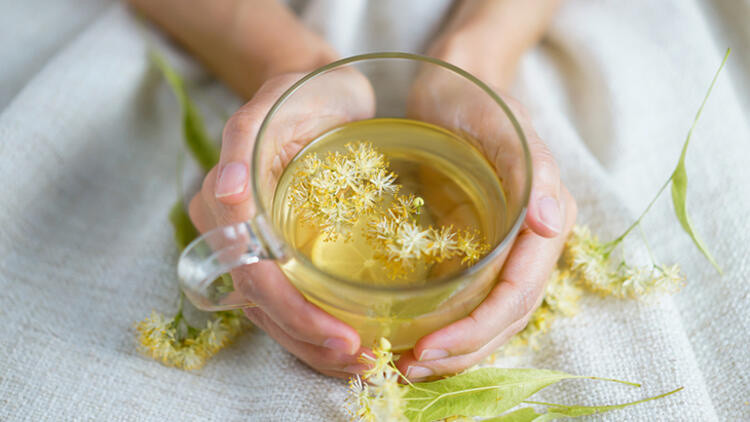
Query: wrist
[
  {"x": 304, "y": 55},
  {"x": 489, "y": 37},
  {"x": 275, "y": 44},
  {"x": 474, "y": 49}
]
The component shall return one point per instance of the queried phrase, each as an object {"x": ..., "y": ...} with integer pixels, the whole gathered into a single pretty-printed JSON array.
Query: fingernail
[
  {"x": 337, "y": 344},
  {"x": 432, "y": 354},
  {"x": 418, "y": 372},
  {"x": 549, "y": 213},
  {"x": 232, "y": 179}
]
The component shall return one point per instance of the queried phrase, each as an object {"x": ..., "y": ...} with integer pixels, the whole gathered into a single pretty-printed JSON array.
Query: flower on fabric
[
  {"x": 175, "y": 343},
  {"x": 592, "y": 266},
  {"x": 587, "y": 267}
]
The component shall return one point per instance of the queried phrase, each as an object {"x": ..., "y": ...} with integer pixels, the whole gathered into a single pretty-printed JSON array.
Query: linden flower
[
  {"x": 383, "y": 399},
  {"x": 586, "y": 255},
  {"x": 382, "y": 228},
  {"x": 380, "y": 361},
  {"x": 383, "y": 182},
  {"x": 334, "y": 193},
  {"x": 562, "y": 293},
  {"x": 637, "y": 282},
  {"x": 331, "y": 192},
  {"x": 586, "y": 267},
  {"x": 404, "y": 207},
  {"x": 366, "y": 198},
  {"x": 310, "y": 165},
  {"x": 410, "y": 242},
  {"x": 470, "y": 247},
  {"x": 359, "y": 399},
  {"x": 442, "y": 244},
  {"x": 590, "y": 260},
  {"x": 159, "y": 338},
  {"x": 345, "y": 172},
  {"x": 366, "y": 159}
]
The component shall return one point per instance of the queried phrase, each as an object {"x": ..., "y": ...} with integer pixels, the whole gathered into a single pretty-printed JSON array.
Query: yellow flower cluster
[
  {"x": 377, "y": 395},
  {"x": 590, "y": 261},
  {"x": 401, "y": 242},
  {"x": 587, "y": 267},
  {"x": 176, "y": 343},
  {"x": 336, "y": 192}
]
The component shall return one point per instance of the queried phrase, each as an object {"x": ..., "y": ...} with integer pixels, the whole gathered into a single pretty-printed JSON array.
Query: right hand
[{"x": 317, "y": 338}]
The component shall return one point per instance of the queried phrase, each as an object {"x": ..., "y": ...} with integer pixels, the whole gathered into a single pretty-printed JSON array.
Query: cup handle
[{"x": 207, "y": 258}]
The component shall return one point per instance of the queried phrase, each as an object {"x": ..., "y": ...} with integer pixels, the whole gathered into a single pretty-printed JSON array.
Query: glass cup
[{"x": 402, "y": 86}]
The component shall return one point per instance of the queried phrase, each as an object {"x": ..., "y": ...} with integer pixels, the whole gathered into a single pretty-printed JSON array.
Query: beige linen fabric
[{"x": 89, "y": 135}]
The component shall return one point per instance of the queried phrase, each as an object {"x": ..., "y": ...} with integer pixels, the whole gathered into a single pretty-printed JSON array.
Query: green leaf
[
  {"x": 524, "y": 414},
  {"x": 184, "y": 231},
  {"x": 203, "y": 148},
  {"x": 483, "y": 392},
  {"x": 561, "y": 411},
  {"x": 680, "y": 180}
]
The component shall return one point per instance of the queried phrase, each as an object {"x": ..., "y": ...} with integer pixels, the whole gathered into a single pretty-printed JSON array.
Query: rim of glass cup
[{"x": 405, "y": 288}]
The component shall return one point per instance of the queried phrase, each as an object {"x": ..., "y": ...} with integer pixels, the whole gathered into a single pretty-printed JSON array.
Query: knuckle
[
  {"x": 257, "y": 317},
  {"x": 195, "y": 214},
  {"x": 519, "y": 325},
  {"x": 301, "y": 325},
  {"x": 242, "y": 279},
  {"x": 545, "y": 165},
  {"x": 476, "y": 335},
  {"x": 324, "y": 359},
  {"x": 296, "y": 326},
  {"x": 518, "y": 109},
  {"x": 527, "y": 303},
  {"x": 209, "y": 182},
  {"x": 454, "y": 366},
  {"x": 241, "y": 127},
  {"x": 525, "y": 298}
]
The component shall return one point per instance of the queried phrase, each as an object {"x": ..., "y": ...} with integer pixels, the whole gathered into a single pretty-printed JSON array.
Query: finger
[
  {"x": 319, "y": 358},
  {"x": 545, "y": 216},
  {"x": 238, "y": 139},
  {"x": 417, "y": 370},
  {"x": 199, "y": 213},
  {"x": 519, "y": 289},
  {"x": 324, "y": 102},
  {"x": 265, "y": 285}
]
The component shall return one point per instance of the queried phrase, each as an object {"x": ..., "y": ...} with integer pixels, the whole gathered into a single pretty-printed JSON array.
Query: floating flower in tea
[{"x": 336, "y": 193}]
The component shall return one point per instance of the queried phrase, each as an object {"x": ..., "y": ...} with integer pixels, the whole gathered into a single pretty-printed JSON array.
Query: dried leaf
[{"x": 680, "y": 180}]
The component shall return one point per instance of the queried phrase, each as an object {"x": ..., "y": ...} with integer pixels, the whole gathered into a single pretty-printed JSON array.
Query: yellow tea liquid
[{"x": 458, "y": 187}]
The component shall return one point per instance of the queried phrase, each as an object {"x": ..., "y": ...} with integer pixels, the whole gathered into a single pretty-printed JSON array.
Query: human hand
[
  {"x": 318, "y": 339},
  {"x": 438, "y": 97}
]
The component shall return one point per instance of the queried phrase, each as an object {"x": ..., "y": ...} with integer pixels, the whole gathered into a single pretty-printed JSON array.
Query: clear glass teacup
[{"x": 400, "y": 86}]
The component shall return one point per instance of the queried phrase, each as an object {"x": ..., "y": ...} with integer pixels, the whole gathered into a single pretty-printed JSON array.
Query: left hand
[{"x": 438, "y": 99}]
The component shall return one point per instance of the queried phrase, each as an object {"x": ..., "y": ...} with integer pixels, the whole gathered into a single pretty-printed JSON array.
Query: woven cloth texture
[{"x": 89, "y": 140}]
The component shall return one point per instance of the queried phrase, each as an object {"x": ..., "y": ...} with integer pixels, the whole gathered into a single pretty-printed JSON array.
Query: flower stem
[{"x": 610, "y": 246}]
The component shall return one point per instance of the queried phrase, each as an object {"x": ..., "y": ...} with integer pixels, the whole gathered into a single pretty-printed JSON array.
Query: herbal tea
[{"x": 388, "y": 202}]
